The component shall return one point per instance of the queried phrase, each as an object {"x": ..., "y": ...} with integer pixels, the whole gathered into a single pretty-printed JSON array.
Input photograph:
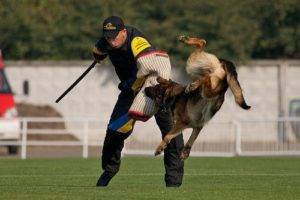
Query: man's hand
[{"x": 98, "y": 55}]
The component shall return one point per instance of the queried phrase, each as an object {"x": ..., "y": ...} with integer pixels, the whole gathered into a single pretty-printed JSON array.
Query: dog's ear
[
  {"x": 173, "y": 91},
  {"x": 162, "y": 80}
]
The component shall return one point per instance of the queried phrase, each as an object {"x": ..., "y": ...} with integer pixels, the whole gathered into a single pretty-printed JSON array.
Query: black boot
[
  {"x": 104, "y": 179},
  {"x": 173, "y": 185}
]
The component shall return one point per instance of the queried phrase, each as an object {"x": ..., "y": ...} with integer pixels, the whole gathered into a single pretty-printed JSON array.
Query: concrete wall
[{"x": 96, "y": 94}]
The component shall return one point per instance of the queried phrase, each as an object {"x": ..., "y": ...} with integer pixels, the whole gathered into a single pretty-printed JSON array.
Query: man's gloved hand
[{"x": 98, "y": 55}]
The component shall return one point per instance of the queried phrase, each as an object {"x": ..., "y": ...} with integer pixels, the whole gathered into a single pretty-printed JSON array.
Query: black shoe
[
  {"x": 104, "y": 179},
  {"x": 173, "y": 184}
]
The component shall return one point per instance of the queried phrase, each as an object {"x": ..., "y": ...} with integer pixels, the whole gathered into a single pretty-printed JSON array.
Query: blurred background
[{"x": 47, "y": 45}]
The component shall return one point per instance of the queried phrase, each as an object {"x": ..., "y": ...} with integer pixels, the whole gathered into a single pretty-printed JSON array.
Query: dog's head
[
  {"x": 164, "y": 92},
  {"x": 157, "y": 92}
]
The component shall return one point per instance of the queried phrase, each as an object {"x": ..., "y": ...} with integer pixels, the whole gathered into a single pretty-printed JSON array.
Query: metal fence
[{"x": 227, "y": 138}]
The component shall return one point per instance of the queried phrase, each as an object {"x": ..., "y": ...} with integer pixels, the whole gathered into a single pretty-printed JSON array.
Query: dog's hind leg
[
  {"x": 197, "y": 42},
  {"x": 178, "y": 127},
  {"x": 187, "y": 147}
]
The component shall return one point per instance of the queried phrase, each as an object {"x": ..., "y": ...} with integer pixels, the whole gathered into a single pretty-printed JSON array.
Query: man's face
[{"x": 119, "y": 40}]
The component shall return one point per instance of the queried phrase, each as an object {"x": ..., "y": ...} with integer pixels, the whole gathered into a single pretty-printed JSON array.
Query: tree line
[{"x": 234, "y": 29}]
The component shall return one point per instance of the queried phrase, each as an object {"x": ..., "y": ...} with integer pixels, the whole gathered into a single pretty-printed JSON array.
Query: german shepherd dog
[{"x": 195, "y": 104}]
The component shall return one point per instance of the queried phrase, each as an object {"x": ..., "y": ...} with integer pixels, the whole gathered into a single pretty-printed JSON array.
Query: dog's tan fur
[{"x": 194, "y": 105}]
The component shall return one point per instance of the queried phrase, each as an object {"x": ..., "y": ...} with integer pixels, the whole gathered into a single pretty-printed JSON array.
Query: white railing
[
  {"x": 270, "y": 136},
  {"x": 81, "y": 134},
  {"x": 231, "y": 138}
]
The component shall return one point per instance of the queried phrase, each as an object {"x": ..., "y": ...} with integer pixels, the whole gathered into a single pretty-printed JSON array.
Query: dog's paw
[
  {"x": 160, "y": 148},
  {"x": 182, "y": 38},
  {"x": 158, "y": 151},
  {"x": 185, "y": 152}
]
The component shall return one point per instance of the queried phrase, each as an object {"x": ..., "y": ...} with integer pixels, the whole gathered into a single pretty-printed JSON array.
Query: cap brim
[{"x": 110, "y": 34}]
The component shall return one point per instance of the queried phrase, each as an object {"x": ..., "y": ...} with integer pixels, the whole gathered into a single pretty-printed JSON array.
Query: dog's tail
[{"x": 234, "y": 85}]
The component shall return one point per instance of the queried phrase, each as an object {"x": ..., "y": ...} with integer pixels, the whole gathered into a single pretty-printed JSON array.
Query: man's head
[{"x": 114, "y": 31}]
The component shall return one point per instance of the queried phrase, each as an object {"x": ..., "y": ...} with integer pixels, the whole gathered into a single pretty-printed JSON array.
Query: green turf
[{"x": 142, "y": 178}]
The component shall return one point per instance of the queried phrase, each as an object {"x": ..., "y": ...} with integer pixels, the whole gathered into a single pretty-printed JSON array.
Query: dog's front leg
[
  {"x": 210, "y": 85},
  {"x": 168, "y": 137},
  {"x": 162, "y": 145},
  {"x": 192, "y": 86},
  {"x": 196, "y": 84}
]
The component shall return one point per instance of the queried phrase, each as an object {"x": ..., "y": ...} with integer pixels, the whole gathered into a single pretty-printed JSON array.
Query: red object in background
[
  {"x": 1, "y": 60},
  {"x": 6, "y": 102},
  {"x": 6, "y": 97}
]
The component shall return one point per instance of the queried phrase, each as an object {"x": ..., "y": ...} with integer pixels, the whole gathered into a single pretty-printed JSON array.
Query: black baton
[{"x": 76, "y": 82}]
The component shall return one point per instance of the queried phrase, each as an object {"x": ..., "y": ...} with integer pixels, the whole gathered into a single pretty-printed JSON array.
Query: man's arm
[{"x": 139, "y": 45}]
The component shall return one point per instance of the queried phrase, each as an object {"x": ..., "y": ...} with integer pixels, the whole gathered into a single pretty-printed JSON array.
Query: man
[{"x": 133, "y": 57}]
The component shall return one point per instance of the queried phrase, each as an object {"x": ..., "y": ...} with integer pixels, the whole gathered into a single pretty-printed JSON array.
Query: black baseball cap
[{"x": 112, "y": 26}]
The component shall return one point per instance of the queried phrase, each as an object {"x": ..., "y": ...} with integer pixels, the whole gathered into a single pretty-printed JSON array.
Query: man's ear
[{"x": 124, "y": 33}]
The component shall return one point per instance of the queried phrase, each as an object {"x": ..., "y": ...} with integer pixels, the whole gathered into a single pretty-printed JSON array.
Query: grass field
[{"x": 142, "y": 178}]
